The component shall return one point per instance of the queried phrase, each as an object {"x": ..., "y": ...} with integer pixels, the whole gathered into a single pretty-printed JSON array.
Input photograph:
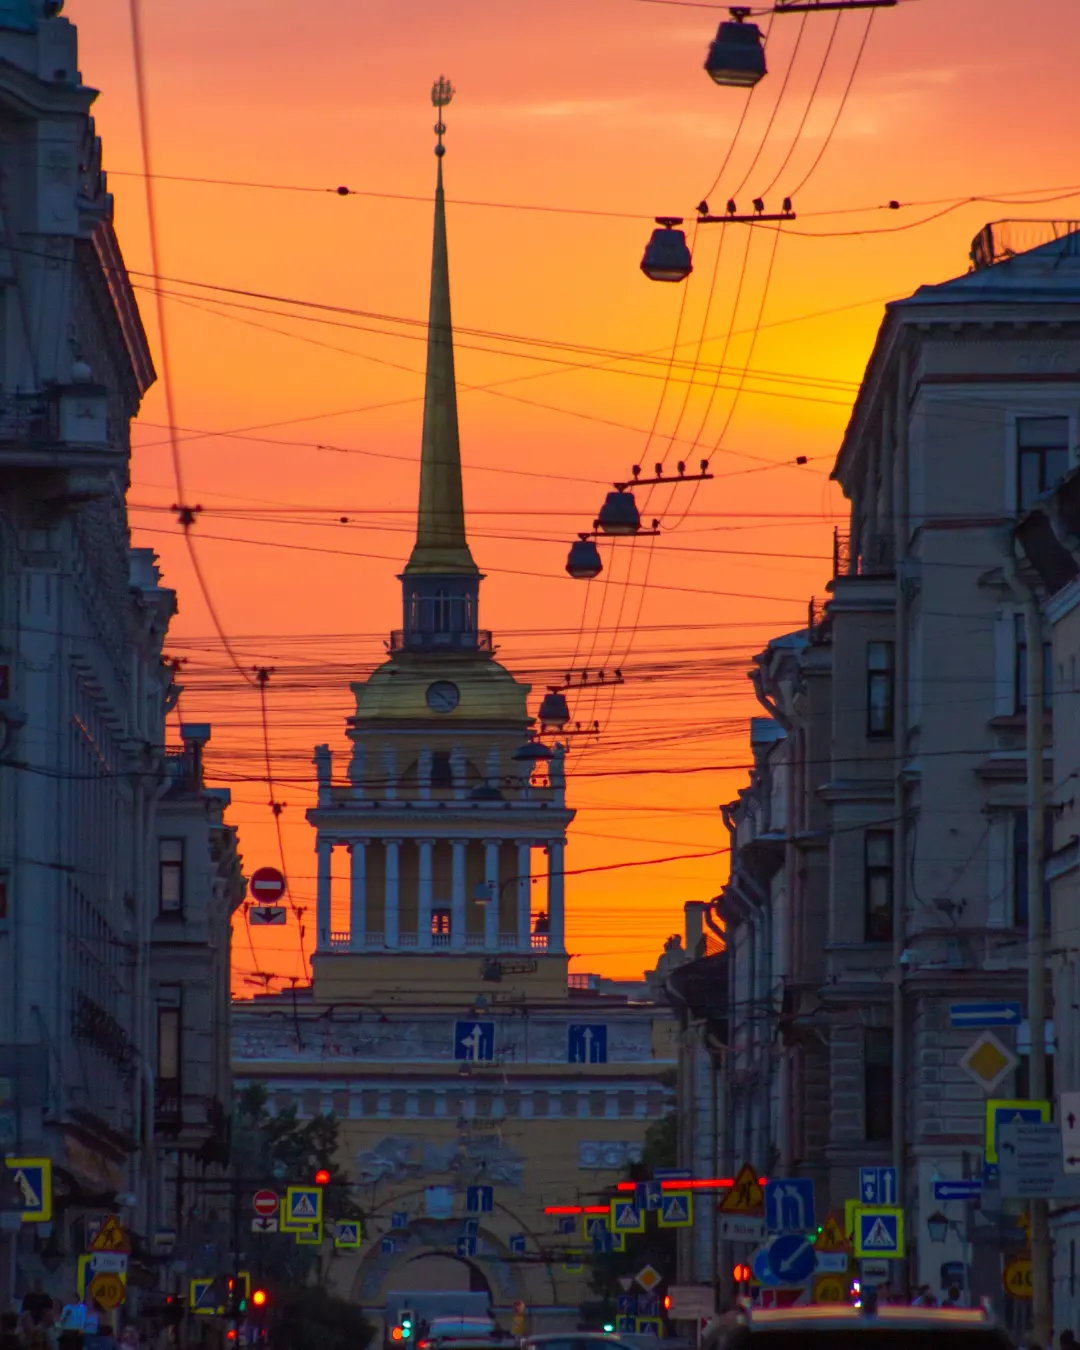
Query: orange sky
[{"x": 599, "y": 106}]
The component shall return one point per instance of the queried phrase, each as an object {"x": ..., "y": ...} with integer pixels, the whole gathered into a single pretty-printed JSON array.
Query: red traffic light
[
  {"x": 259, "y": 1297},
  {"x": 322, "y": 1177},
  {"x": 741, "y": 1274},
  {"x": 667, "y": 1302}
]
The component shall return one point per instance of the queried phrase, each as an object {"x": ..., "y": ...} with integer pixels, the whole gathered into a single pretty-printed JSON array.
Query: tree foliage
[{"x": 308, "y": 1318}]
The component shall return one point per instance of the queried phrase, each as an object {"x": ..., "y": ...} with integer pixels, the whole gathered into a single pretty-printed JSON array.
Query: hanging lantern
[
  {"x": 619, "y": 514},
  {"x": 737, "y": 53},
  {"x": 530, "y": 753},
  {"x": 554, "y": 710},
  {"x": 583, "y": 561},
  {"x": 667, "y": 257}
]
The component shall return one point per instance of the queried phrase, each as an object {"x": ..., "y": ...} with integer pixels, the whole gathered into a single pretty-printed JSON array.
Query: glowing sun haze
[{"x": 593, "y": 105}]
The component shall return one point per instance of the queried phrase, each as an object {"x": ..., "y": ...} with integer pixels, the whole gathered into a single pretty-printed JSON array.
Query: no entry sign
[
  {"x": 265, "y": 1203},
  {"x": 267, "y": 884}
]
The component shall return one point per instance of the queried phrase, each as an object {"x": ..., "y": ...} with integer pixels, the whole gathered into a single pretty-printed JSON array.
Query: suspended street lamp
[
  {"x": 667, "y": 256},
  {"x": 619, "y": 514},
  {"x": 584, "y": 561},
  {"x": 554, "y": 709},
  {"x": 737, "y": 53}
]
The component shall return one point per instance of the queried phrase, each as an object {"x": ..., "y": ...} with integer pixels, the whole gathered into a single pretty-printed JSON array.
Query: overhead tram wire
[
  {"x": 806, "y": 111},
  {"x": 186, "y": 514},
  {"x": 776, "y": 108}
]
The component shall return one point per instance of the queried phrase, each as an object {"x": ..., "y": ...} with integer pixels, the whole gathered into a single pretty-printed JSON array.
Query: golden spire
[{"x": 441, "y": 547}]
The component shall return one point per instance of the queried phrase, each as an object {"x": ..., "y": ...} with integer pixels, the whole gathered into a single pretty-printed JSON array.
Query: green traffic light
[{"x": 609, "y": 1326}]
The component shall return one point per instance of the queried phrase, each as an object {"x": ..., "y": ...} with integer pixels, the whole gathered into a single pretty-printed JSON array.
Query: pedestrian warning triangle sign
[
  {"x": 111, "y": 1237},
  {"x": 626, "y": 1217},
  {"x": 831, "y": 1238},
  {"x": 303, "y": 1207},
  {"x": 676, "y": 1211},
  {"x": 879, "y": 1235},
  {"x": 746, "y": 1195}
]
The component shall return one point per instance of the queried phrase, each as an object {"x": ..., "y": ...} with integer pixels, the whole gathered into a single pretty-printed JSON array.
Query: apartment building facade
[{"x": 879, "y": 866}]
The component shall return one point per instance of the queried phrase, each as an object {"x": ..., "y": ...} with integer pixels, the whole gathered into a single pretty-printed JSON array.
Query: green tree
[{"x": 276, "y": 1151}]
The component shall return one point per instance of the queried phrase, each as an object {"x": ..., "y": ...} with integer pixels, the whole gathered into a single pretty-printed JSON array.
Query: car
[
  {"x": 576, "y": 1340},
  {"x": 869, "y": 1327},
  {"x": 462, "y": 1333}
]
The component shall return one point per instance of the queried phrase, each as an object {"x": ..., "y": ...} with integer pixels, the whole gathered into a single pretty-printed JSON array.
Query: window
[
  {"x": 443, "y": 612},
  {"x": 880, "y": 689},
  {"x": 877, "y": 1083},
  {"x": 170, "y": 1052},
  {"x": 569, "y": 1104},
  {"x": 1020, "y": 667},
  {"x": 442, "y": 773},
  {"x": 878, "y": 886},
  {"x": 170, "y": 876},
  {"x": 626, "y": 1103},
  {"x": 1042, "y": 456},
  {"x": 440, "y": 923},
  {"x": 597, "y": 1103},
  {"x": 1020, "y": 862},
  {"x": 541, "y": 1103}
]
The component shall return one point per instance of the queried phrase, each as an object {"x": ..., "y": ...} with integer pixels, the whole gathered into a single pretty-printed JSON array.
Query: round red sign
[
  {"x": 265, "y": 1203},
  {"x": 267, "y": 884}
]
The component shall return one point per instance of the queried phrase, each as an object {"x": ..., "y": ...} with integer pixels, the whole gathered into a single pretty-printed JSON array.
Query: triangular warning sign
[
  {"x": 111, "y": 1237},
  {"x": 30, "y": 1198},
  {"x": 746, "y": 1195},
  {"x": 303, "y": 1208},
  {"x": 675, "y": 1208},
  {"x": 831, "y": 1238},
  {"x": 879, "y": 1235}
]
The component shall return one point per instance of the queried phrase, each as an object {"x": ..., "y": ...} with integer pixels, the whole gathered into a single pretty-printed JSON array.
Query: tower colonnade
[{"x": 448, "y": 892}]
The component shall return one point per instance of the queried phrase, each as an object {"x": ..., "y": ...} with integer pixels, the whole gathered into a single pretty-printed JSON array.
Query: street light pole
[{"x": 1041, "y": 1308}]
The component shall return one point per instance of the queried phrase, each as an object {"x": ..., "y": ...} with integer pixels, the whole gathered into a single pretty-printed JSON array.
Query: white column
[
  {"x": 457, "y": 898},
  {"x": 358, "y": 895},
  {"x": 324, "y": 850},
  {"x": 556, "y": 895},
  {"x": 524, "y": 895},
  {"x": 391, "y": 923},
  {"x": 491, "y": 880},
  {"x": 423, "y": 901}
]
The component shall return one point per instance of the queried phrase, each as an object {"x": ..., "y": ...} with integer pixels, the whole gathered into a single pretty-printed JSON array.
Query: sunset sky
[{"x": 575, "y": 122}]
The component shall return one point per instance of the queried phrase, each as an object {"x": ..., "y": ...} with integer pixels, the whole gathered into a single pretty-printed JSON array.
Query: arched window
[{"x": 443, "y": 612}]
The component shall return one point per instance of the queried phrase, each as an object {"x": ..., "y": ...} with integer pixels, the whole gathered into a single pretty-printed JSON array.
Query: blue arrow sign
[
  {"x": 399, "y": 1219},
  {"x": 648, "y": 1194},
  {"x": 763, "y": 1271},
  {"x": 480, "y": 1200},
  {"x": 517, "y": 1244},
  {"x": 958, "y": 1190},
  {"x": 789, "y": 1205},
  {"x": 984, "y": 1014},
  {"x": 877, "y": 1185},
  {"x": 474, "y": 1040},
  {"x": 672, "y": 1174},
  {"x": 587, "y": 1043},
  {"x": 465, "y": 1246},
  {"x": 791, "y": 1258}
]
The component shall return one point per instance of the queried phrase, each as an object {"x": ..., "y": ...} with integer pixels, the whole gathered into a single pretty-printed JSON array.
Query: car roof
[{"x": 848, "y": 1318}]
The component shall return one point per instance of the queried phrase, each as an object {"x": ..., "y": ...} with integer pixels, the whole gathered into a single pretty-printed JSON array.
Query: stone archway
[{"x": 440, "y": 1271}]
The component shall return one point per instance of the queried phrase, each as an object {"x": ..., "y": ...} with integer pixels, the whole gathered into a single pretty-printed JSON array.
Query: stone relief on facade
[{"x": 400, "y": 1158}]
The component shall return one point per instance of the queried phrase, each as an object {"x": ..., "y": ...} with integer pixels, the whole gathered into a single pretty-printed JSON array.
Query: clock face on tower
[{"x": 442, "y": 696}]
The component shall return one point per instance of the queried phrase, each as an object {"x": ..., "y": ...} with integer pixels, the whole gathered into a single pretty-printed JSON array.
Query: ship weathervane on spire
[{"x": 442, "y": 91}]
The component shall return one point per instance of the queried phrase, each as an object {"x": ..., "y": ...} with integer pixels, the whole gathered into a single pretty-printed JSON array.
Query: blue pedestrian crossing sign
[
  {"x": 879, "y": 1231},
  {"x": 1000, "y": 1113},
  {"x": 517, "y": 1244},
  {"x": 626, "y": 1217},
  {"x": 474, "y": 1041},
  {"x": 347, "y": 1233},
  {"x": 676, "y": 1210},
  {"x": 303, "y": 1208},
  {"x": 789, "y": 1205},
  {"x": 480, "y": 1200},
  {"x": 33, "y": 1185},
  {"x": 649, "y": 1326},
  {"x": 587, "y": 1043}
]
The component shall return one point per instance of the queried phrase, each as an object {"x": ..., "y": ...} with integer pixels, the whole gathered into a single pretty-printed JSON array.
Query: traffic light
[
  {"x": 259, "y": 1298},
  {"x": 741, "y": 1274},
  {"x": 667, "y": 1302},
  {"x": 322, "y": 1177}
]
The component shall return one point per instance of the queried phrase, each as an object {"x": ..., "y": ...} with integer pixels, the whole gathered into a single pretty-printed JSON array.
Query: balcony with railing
[
  {"x": 1001, "y": 240},
  {"x": 402, "y": 640},
  {"x": 875, "y": 557}
]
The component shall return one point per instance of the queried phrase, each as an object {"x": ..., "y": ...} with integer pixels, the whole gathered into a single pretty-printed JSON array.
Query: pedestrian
[
  {"x": 36, "y": 1301},
  {"x": 9, "y": 1331}
]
